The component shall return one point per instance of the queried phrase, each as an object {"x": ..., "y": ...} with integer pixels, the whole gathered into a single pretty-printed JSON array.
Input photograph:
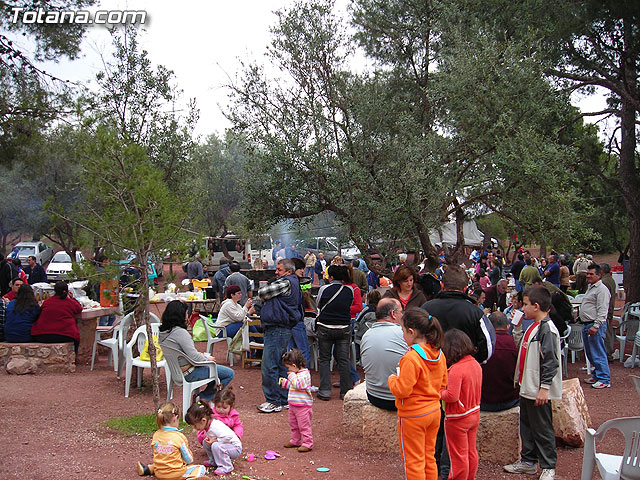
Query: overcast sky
[{"x": 201, "y": 41}]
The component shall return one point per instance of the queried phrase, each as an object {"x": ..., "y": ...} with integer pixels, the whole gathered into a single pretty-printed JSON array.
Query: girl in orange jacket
[{"x": 421, "y": 375}]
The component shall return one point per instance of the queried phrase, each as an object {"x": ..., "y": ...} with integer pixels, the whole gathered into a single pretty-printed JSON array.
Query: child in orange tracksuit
[
  {"x": 462, "y": 405},
  {"x": 422, "y": 373}
]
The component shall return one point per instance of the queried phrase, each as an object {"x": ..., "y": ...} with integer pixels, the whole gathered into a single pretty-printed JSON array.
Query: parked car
[
  {"x": 24, "y": 250},
  {"x": 60, "y": 265}
]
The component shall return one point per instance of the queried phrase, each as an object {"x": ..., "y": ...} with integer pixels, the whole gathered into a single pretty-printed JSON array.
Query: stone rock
[
  {"x": 379, "y": 430},
  {"x": 570, "y": 415},
  {"x": 498, "y": 437},
  {"x": 42, "y": 357},
  {"x": 20, "y": 366},
  {"x": 354, "y": 401}
]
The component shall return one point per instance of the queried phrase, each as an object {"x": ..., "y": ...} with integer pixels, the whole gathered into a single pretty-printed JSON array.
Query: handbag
[{"x": 144, "y": 354}]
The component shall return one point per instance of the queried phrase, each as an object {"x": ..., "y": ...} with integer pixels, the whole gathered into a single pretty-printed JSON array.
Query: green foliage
[
  {"x": 139, "y": 102},
  {"x": 30, "y": 98},
  {"x": 217, "y": 187},
  {"x": 433, "y": 134}
]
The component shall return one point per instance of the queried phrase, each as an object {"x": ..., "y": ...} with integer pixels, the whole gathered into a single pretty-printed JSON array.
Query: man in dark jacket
[
  {"x": 282, "y": 309},
  {"x": 35, "y": 271},
  {"x": 220, "y": 277},
  {"x": 454, "y": 309}
]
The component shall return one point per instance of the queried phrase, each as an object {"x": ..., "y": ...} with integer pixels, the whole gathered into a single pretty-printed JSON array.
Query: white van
[{"x": 329, "y": 246}]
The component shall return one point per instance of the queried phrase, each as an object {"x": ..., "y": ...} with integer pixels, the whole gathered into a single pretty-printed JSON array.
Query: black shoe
[
  {"x": 322, "y": 397},
  {"x": 143, "y": 469}
]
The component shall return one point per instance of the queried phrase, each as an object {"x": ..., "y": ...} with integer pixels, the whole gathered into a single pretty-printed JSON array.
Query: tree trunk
[
  {"x": 142, "y": 308},
  {"x": 543, "y": 249},
  {"x": 431, "y": 256},
  {"x": 459, "y": 248},
  {"x": 629, "y": 171}
]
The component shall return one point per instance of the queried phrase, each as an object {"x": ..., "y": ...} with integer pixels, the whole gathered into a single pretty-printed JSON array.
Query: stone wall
[{"x": 21, "y": 358}]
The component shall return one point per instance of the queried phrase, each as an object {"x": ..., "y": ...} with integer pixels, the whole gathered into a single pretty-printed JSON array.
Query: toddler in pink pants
[{"x": 300, "y": 401}]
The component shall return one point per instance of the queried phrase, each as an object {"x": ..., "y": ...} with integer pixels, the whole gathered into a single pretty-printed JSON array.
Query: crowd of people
[
  {"x": 466, "y": 339},
  {"x": 436, "y": 348},
  {"x": 23, "y": 318}
]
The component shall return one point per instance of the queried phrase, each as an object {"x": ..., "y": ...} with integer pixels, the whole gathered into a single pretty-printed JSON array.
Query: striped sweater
[{"x": 299, "y": 385}]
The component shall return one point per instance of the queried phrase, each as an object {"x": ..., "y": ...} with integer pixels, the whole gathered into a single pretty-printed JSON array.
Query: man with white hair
[{"x": 496, "y": 295}]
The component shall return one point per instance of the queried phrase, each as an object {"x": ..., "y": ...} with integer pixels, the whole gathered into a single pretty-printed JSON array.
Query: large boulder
[
  {"x": 570, "y": 415},
  {"x": 498, "y": 437},
  {"x": 354, "y": 401},
  {"x": 379, "y": 429},
  {"x": 20, "y": 366}
]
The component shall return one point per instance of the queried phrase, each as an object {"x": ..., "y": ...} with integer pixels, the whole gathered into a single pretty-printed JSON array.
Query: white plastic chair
[
  {"x": 117, "y": 331},
  {"x": 613, "y": 467},
  {"x": 575, "y": 343},
  {"x": 212, "y": 340},
  {"x": 628, "y": 324},
  {"x": 565, "y": 350},
  {"x": 636, "y": 347},
  {"x": 636, "y": 382},
  {"x": 177, "y": 377},
  {"x": 122, "y": 341},
  {"x": 139, "y": 337}
]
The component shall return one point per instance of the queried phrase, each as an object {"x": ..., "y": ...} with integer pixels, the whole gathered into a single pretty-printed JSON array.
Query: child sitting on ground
[
  {"x": 422, "y": 374},
  {"x": 540, "y": 377},
  {"x": 300, "y": 401},
  {"x": 462, "y": 404},
  {"x": 171, "y": 454},
  {"x": 220, "y": 443}
]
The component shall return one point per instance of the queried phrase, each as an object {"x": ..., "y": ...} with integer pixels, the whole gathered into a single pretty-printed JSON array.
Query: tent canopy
[{"x": 445, "y": 235}]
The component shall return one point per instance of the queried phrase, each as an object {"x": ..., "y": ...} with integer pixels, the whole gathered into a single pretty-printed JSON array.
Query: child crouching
[{"x": 220, "y": 442}]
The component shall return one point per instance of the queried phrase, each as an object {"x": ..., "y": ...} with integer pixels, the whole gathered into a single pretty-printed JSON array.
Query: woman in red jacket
[
  {"x": 404, "y": 288},
  {"x": 57, "y": 321}
]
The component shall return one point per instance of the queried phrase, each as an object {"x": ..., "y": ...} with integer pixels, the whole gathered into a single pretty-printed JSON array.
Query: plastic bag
[
  {"x": 144, "y": 354},
  {"x": 199, "y": 333}
]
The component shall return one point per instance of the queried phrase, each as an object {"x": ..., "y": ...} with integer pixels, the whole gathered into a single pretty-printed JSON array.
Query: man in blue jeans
[
  {"x": 282, "y": 309},
  {"x": 593, "y": 315}
]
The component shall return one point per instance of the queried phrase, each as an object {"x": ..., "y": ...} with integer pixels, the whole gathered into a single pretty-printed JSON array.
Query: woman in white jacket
[{"x": 231, "y": 312}]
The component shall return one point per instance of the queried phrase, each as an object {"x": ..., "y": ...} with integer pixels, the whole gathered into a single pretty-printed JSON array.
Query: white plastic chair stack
[{"x": 575, "y": 343}]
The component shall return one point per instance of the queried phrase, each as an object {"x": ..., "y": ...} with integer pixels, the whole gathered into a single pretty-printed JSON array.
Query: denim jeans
[
  {"x": 225, "y": 374},
  {"x": 276, "y": 340},
  {"x": 596, "y": 353},
  {"x": 327, "y": 339},
  {"x": 300, "y": 341},
  {"x": 308, "y": 272}
]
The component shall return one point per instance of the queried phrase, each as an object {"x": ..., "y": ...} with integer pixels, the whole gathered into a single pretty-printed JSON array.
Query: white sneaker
[
  {"x": 521, "y": 467},
  {"x": 615, "y": 355},
  {"x": 268, "y": 407},
  {"x": 548, "y": 474},
  {"x": 600, "y": 385}
]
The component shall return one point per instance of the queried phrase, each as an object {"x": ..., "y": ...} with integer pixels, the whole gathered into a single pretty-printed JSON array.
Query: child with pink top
[
  {"x": 223, "y": 410},
  {"x": 300, "y": 401}
]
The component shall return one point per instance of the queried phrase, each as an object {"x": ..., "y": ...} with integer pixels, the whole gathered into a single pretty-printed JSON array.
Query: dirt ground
[
  {"x": 53, "y": 426},
  {"x": 54, "y": 429}
]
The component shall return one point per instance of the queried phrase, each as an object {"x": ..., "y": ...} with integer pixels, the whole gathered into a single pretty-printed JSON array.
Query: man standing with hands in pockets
[{"x": 593, "y": 315}]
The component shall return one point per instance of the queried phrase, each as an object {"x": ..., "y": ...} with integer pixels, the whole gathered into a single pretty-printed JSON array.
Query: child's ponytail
[
  {"x": 165, "y": 414},
  {"x": 425, "y": 324},
  {"x": 197, "y": 412}
]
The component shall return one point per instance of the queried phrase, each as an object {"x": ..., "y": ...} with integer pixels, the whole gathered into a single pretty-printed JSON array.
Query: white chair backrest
[
  {"x": 123, "y": 329},
  {"x": 140, "y": 335},
  {"x": 574, "y": 341}
]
